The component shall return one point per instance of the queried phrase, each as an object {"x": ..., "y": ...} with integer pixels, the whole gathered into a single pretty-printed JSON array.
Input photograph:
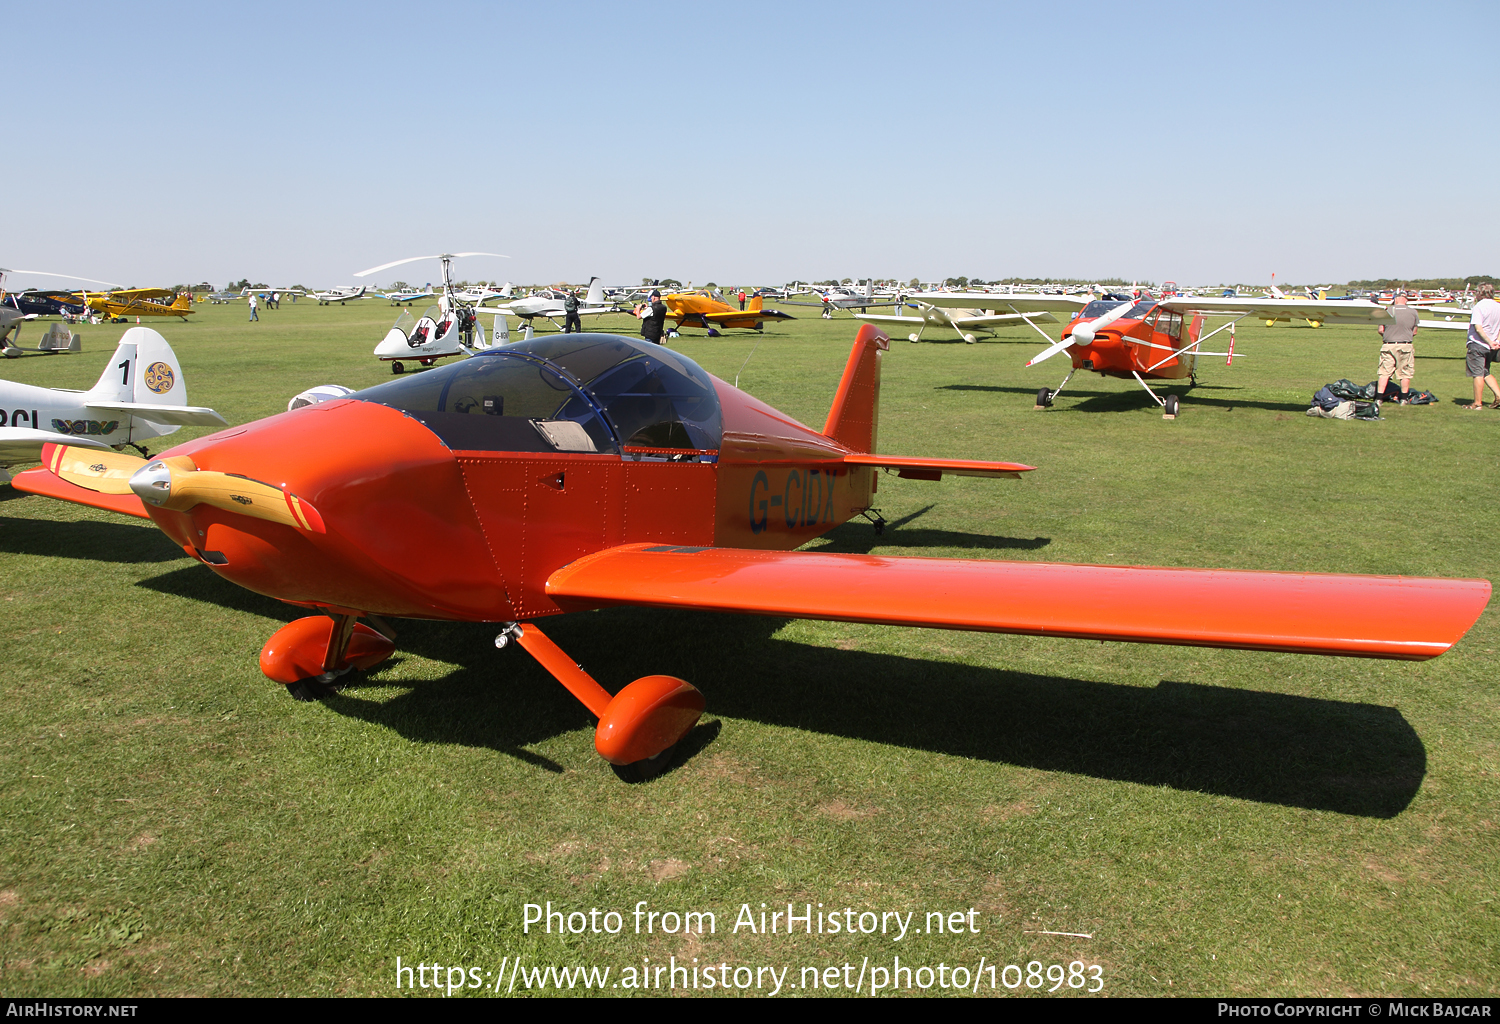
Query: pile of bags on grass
[{"x": 1346, "y": 400}]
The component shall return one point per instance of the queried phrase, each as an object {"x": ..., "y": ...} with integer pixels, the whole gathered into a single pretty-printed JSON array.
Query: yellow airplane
[
  {"x": 711, "y": 311},
  {"x": 127, "y": 302}
]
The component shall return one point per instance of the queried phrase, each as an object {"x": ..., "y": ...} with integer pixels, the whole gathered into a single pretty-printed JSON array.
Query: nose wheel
[{"x": 311, "y": 655}]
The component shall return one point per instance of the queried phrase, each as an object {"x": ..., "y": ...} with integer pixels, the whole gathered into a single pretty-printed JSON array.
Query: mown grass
[{"x": 1220, "y": 822}]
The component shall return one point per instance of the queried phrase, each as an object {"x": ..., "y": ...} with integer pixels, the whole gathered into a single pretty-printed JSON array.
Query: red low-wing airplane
[{"x": 578, "y": 471}]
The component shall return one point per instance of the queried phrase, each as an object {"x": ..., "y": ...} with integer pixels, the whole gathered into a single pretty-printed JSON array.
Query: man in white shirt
[
  {"x": 254, "y": 313},
  {"x": 1484, "y": 341}
]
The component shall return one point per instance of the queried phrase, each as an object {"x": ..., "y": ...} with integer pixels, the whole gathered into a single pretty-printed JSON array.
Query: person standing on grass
[
  {"x": 571, "y": 322},
  {"x": 1484, "y": 340},
  {"x": 653, "y": 318},
  {"x": 254, "y": 307},
  {"x": 1397, "y": 354}
]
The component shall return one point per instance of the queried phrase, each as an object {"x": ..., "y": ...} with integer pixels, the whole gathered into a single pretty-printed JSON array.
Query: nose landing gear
[{"x": 310, "y": 655}]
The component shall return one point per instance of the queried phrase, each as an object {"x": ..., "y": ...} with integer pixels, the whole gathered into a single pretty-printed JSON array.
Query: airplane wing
[
  {"x": 182, "y": 415},
  {"x": 1354, "y": 311},
  {"x": 1409, "y": 618},
  {"x": 888, "y": 318},
  {"x": 736, "y": 314},
  {"x": 126, "y": 294},
  {"x": 21, "y": 444},
  {"x": 1001, "y": 303},
  {"x": 44, "y": 482},
  {"x": 996, "y": 319}
]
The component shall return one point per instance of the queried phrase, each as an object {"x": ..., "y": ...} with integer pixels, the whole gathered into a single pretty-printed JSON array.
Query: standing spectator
[
  {"x": 1397, "y": 354},
  {"x": 742, "y": 299},
  {"x": 254, "y": 307},
  {"x": 571, "y": 322},
  {"x": 653, "y": 318},
  {"x": 1484, "y": 339}
]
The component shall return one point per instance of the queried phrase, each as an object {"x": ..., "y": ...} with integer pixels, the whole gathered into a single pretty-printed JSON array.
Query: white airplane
[
  {"x": 406, "y": 296},
  {"x": 966, "y": 312},
  {"x": 339, "y": 295},
  {"x": 548, "y": 302},
  {"x": 140, "y": 395},
  {"x": 480, "y": 294},
  {"x": 449, "y": 328}
]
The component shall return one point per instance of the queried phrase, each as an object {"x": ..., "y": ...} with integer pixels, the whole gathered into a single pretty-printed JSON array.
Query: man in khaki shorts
[{"x": 1397, "y": 355}]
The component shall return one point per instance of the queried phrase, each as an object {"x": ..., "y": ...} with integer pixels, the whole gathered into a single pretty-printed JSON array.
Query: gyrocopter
[
  {"x": 450, "y": 327},
  {"x": 579, "y": 471}
]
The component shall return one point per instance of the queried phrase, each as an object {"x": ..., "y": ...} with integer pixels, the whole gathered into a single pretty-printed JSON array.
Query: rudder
[{"x": 855, "y": 414}]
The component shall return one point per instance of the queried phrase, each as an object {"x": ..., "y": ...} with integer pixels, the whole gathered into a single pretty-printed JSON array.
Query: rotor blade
[
  {"x": 68, "y": 277},
  {"x": 106, "y": 472},
  {"x": 499, "y": 254},
  {"x": 1050, "y": 351},
  {"x": 397, "y": 263}
]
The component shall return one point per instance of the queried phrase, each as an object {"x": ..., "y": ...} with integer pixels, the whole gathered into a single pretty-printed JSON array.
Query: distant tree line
[{"x": 1450, "y": 283}]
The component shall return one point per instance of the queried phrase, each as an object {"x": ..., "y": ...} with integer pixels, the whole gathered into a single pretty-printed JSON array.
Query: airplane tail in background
[
  {"x": 756, "y": 304},
  {"x": 855, "y": 415},
  {"x": 183, "y": 301},
  {"x": 595, "y": 297},
  {"x": 143, "y": 369}
]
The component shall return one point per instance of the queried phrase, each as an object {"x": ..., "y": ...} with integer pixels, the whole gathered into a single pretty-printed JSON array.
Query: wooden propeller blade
[
  {"x": 106, "y": 472},
  {"x": 243, "y": 495}
]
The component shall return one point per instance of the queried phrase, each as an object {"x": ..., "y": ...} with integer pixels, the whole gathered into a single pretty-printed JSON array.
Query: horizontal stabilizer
[
  {"x": 182, "y": 415},
  {"x": 40, "y": 481},
  {"x": 22, "y": 444},
  {"x": 933, "y": 469},
  {"x": 1411, "y": 618}
]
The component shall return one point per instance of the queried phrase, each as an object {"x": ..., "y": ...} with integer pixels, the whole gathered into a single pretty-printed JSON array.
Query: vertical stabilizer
[
  {"x": 143, "y": 369},
  {"x": 595, "y": 297},
  {"x": 756, "y": 304},
  {"x": 855, "y": 414}
]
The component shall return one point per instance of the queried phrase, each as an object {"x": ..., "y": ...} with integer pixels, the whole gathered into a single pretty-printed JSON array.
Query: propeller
[
  {"x": 177, "y": 483},
  {"x": 1082, "y": 333},
  {"x": 413, "y": 259}
]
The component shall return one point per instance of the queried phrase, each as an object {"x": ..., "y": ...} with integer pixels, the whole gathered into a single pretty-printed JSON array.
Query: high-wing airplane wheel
[
  {"x": 1043, "y": 398},
  {"x": 396, "y": 367},
  {"x": 1170, "y": 407}
]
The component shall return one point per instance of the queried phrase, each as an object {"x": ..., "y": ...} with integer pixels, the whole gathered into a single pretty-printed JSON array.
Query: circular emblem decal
[{"x": 159, "y": 378}]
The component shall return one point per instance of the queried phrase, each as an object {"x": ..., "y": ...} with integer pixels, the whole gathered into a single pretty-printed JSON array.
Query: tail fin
[
  {"x": 143, "y": 369},
  {"x": 183, "y": 301},
  {"x": 756, "y": 303},
  {"x": 595, "y": 297},
  {"x": 855, "y": 415}
]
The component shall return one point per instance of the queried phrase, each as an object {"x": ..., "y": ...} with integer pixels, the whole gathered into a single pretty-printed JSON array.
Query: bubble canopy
[{"x": 567, "y": 392}]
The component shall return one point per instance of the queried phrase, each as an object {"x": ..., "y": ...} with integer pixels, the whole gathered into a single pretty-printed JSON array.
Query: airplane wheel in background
[
  {"x": 913, "y": 338},
  {"x": 968, "y": 339},
  {"x": 1043, "y": 398},
  {"x": 1171, "y": 406},
  {"x": 396, "y": 367}
]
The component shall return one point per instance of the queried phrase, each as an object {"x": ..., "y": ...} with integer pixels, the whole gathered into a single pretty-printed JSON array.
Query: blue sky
[{"x": 158, "y": 143}]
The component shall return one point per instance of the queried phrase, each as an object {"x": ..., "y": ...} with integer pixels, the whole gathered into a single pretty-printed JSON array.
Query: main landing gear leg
[
  {"x": 639, "y": 727},
  {"x": 1044, "y": 397},
  {"x": 1169, "y": 405},
  {"x": 310, "y": 655}
]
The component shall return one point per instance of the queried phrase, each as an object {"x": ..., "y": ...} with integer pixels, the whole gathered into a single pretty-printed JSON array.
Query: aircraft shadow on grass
[
  {"x": 858, "y": 537},
  {"x": 119, "y": 542},
  {"x": 1355, "y": 759},
  {"x": 1123, "y": 401}
]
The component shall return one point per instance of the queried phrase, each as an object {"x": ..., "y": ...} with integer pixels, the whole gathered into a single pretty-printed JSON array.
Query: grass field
[{"x": 1218, "y": 822}]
